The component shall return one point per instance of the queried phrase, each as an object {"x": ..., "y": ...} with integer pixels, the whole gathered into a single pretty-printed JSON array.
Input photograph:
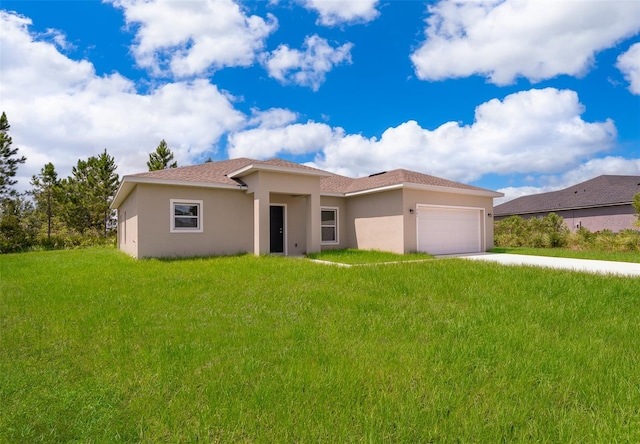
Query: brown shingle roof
[
  {"x": 602, "y": 191},
  {"x": 217, "y": 173},
  {"x": 335, "y": 183},
  {"x": 210, "y": 172},
  {"x": 400, "y": 176}
]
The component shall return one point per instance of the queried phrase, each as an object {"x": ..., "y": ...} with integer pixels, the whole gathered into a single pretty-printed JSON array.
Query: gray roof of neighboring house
[
  {"x": 217, "y": 173},
  {"x": 602, "y": 191}
]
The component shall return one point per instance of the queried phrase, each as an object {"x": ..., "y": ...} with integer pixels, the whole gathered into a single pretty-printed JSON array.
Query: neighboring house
[
  {"x": 280, "y": 207},
  {"x": 597, "y": 204}
]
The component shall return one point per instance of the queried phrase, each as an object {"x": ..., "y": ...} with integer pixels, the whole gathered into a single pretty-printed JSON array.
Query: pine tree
[
  {"x": 45, "y": 190},
  {"x": 76, "y": 211},
  {"x": 160, "y": 159},
  {"x": 104, "y": 182},
  {"x": 9, "y": 160},
  {"x": 89, "y": 192}
]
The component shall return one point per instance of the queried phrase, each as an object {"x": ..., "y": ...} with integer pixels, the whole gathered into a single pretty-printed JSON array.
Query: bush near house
[{"x": 550, "y": 232}]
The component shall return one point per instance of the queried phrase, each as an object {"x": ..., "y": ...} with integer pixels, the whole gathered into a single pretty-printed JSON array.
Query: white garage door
[{"x": 443, "y": 230}]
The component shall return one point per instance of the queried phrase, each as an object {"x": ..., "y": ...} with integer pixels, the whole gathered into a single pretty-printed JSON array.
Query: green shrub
[
  {"x": 582, "y": 239},
  {"x": 548, "y": 232},
  {"x": 510, "y": 232},
  {"x": 628, "y": 240},
  {"x": 606, "y": 240},
  {"x": 551, "y": 232}
]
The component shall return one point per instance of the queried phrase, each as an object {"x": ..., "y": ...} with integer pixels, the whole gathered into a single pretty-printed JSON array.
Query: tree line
[{"x": 61, "y": 213}]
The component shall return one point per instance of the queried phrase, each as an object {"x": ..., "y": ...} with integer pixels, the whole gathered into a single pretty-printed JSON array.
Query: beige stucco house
[{"x": 280, "y": 207}]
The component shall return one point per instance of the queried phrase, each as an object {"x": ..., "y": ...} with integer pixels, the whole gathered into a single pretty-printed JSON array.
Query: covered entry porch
[{"x": 286, "y": 208}]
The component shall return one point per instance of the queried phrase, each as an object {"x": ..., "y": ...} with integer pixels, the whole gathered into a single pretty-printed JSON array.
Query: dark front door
[{"x": 276, "y": 228}]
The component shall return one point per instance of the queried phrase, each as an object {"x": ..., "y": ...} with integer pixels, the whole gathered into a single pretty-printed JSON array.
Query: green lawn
[
  {"x": 359, "y": 257},
  {"x": 98, "y": 347}
]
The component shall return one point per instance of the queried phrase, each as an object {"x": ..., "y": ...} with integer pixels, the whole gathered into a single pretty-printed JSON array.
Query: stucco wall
[
  {"x": 375, "y": 221},
  {"x": 413, "y": 197},
  {"x": 128, "y": 225},
  {"x": 227, "y": 222},
  {"x": 597, "y": 219}
]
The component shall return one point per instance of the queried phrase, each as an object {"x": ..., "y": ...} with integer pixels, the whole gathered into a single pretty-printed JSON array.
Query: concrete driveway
[{"x": 586, "y": 265}]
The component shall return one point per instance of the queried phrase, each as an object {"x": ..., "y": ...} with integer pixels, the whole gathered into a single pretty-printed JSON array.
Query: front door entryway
[{"x": 276, "y": 229}]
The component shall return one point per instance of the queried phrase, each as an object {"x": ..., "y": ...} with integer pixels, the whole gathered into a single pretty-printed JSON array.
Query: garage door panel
[{"x": 444, "y": 230}]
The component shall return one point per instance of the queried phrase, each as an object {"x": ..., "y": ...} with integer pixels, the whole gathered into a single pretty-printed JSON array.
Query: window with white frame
[
  {"x": 186, "y": 216},
  {"x": 329, "y": 225}
]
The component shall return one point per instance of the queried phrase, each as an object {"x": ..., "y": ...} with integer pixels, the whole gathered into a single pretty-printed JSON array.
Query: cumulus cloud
[
  {"x": 308, "y": 67},
  {"x": 266, "y": 142},
  {"x": 60, "y": 111},
  {"x": 272, "y": 118},
  {"x": 629, "y": 64},
  {"x": 184, "y": 39},
  {"x": 21, "y": 52},
  {"x": 593, "y": 168},
  {"x": 337, "y": 12},
  {"x": 506, "y": 39},
  {"x": 536, "y": 131}
]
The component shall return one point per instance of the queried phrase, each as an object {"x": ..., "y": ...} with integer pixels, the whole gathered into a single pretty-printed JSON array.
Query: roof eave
[
  {"x": 374, "y": 190},
  {"x": 252, "y": 168},
  {"x": 129, "y": 183},
  {"x": 440, "y": 189},
  {"x": 453, "y": 190}
]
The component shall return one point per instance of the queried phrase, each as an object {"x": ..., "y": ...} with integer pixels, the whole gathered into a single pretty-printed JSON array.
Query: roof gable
[{"x": 606, "y": 190}]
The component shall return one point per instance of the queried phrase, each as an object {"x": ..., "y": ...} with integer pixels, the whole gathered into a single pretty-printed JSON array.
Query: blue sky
[{"x": 521, "y": 97}]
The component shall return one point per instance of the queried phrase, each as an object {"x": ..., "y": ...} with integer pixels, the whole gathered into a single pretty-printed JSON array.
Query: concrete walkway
[{"x": 586, "y": 265}]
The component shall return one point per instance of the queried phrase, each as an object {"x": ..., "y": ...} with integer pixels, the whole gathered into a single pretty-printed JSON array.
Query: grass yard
[
  {"x": 98, "y": 347},
  {"x": 359, "y": 257}
]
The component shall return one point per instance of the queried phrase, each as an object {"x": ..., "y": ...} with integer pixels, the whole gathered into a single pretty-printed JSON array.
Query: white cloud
[
  {"x": 597, "y": 167},
  {"x": 60, "y": 111},
  {"x": 297, "y": 138},
  {"x": 308, "y": 67},
  {"x": 511, "y": 193},
  {"x": 506, "y": 39},
  {"x": 20, "y": 52},
  {"x": 335, "y": 12},
  {"x": 586, "y": 171},
  {"x": 629, "y": 64},
  {"x": 536, "y": 131},
  {"x": 272, "y": 118},
  {"x": 186, "y": 38}
]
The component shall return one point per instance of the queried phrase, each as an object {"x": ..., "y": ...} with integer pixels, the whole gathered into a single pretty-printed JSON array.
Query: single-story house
[
  {"x": 604, "y": 202},
  {"x": 280, "y": 207}
]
